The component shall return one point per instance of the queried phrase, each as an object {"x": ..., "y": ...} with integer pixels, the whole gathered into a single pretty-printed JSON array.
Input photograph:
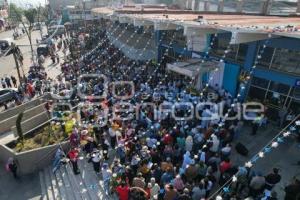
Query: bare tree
[{"x": 30, "y": 15}]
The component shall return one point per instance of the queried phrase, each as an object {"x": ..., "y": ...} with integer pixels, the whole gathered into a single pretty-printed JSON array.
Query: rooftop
[{"x": 234, "y": 22}]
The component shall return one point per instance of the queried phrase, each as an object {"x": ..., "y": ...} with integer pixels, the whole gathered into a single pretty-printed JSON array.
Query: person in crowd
[
  {"x": 7, "y": 81},
  {"x": 57, "y": 160},
  {"x": 12, "y": 167},
  {"x": 272, "y": 179},
  {"x": 106, "y": 176},
  {"x": 96, "y": 159},
  {"x": 3, "y": 83},
  {"x": 292, "y": 191},
  {"x": 14, "y": 80},
  {"x": 123, "y": 191},
  {"x": 257, "y": 185},
  {"x": 170, "y": 192},
  {"x": 73, "y": 155}
]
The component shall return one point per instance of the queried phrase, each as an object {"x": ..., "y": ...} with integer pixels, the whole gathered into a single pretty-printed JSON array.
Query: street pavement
[{"x": 7, "y": 63}]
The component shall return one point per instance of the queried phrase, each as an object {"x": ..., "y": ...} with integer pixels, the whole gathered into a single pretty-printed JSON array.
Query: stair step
[
  {"x": 61, "y": 186},
  {"x": 76, "y": 193},
  {"x": 81, "y": 183},
  {"x": 70, "y": 191},
  {"x": 43, "y": 186},
  {"x": 49, "y": 187},
  {"x": 91, "y": 180},
  {"x": 55, "y": 186}
]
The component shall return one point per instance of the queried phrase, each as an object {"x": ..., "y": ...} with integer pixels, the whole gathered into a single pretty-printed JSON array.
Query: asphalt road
[{"x": 7, "y": 63}]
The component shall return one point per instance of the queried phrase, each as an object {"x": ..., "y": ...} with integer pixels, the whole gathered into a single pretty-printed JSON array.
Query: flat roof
[{"x": 288, "y": 26}]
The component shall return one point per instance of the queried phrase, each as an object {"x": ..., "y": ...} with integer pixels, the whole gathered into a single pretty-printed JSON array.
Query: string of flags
[{"x": 280, "y": 138}]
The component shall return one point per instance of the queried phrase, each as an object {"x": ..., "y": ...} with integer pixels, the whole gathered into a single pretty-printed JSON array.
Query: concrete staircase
[{"x": 65, "y": 185}]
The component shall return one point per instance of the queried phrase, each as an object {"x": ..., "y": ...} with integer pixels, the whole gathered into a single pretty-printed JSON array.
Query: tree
[
  {"x": 30, "y": 16},
  {"x": 12, "y": 14},
  {"x": 19, "y": 127}
]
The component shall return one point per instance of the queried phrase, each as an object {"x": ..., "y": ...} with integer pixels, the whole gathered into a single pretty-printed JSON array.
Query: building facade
[{"x": 275, "y": 77}]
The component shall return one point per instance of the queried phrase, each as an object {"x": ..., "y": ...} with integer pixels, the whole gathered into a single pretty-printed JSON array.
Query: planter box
[
  {"x": 33, "y": 160},
  {"x": 23, "y": 107},
  {"x": 31, "y": 123},
  {"x": 5, "y": 125}
]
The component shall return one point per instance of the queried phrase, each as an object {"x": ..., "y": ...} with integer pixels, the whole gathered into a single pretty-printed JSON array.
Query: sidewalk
[
  {"x": 284, "y": 157},
  {"x": 27, "y": 187}
]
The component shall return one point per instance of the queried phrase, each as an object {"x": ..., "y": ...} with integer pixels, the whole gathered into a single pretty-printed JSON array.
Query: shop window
[
  {"x": 232, "y": 54},
  {"x": 243, "y": 48},
  {"x": 280, "y": 88},
  {"x": 275, "y": 99},
  {"x": 220, "y": 45},
  {"x": 260, "y": 82},
  {"x": 266, "y": 56},
  {"x": 257, "y": 94},
  {"x": 295, "y": 106},
  {"x": 296, "y": 92},
  {"x": 287, "y": 61}
]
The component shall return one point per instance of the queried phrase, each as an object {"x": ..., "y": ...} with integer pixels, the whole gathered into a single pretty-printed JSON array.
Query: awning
[{"x": 192, "y": 67}]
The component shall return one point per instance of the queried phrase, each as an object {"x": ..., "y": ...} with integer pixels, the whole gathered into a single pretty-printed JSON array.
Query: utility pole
[
  {"x": 39, "y": 23},
  {"x": 84, "y": 13},
  {"x": 14, "y": 50}
]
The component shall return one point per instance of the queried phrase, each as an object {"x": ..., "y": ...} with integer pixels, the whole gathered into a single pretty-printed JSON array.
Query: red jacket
[
  {"x": 123, "y": 192},
  {"x": 73, "y": 155},
  {"x": 224, "y": 166}
]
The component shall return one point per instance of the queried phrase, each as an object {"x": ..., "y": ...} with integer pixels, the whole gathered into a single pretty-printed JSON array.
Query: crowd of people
[
  {"x": 36, "y": 82},
  {"x": 138, "y": 150},
  {"x": 9, "y": 82},
  {"x": 146, "y": 153}
]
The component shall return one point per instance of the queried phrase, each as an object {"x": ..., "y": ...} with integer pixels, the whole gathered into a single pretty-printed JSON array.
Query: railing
[{"x": 59, "y": 144}]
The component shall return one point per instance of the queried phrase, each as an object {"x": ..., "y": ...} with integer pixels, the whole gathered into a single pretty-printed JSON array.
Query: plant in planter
[{"x": 19, "y": 127}]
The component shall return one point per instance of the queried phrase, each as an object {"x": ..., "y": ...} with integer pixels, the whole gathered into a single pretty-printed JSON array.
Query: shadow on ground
[{"x": 26, "y": 187}]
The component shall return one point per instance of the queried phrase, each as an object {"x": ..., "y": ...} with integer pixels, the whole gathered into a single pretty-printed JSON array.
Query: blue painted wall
[
  {"x": 281, "y": 77},
  {"x": 230, "y": 80}
]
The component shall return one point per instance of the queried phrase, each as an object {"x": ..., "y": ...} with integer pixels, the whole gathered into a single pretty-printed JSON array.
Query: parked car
[
  {"x": 7, "y": 94},
  {"x": 37, "y": 26},
  {"x": 56, "y": 30},
  {"x": 5, "y": 45},
  {"x": 43, "y": 49}
]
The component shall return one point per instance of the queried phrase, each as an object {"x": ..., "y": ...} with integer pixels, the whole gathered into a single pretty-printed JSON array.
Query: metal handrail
[{"x": 58, "y": 144}]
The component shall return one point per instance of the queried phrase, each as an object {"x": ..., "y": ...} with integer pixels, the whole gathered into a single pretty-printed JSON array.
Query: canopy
[{"x": 192, "y": 67}]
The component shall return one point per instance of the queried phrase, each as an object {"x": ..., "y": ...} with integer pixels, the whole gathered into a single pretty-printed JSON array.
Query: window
[
  {"x": 287, "y": 61},
  {"x": 280, "y": 88},
  {"x": 266, "y": 56},
  {"x": 232, "y": 54},
  {"x": 243, "y": 48},
  {"x": 296, "y": 92},
  {"x": 295, "y": 106},
  {"x": 175, "y": 36},
  {"x": 220, "y": 45},
  {"x": 260, "y": 82},
  {"x": 257, "y": 93},
  {"x": 275, "y": 99}
]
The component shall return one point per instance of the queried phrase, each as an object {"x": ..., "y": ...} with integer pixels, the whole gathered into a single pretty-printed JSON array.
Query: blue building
[{"x": 263, "y": 49}]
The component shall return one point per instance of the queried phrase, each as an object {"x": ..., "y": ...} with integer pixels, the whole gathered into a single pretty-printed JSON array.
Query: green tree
[
  {"x": 19, "y": 127},
  {"x": 13, "y": 8}
]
